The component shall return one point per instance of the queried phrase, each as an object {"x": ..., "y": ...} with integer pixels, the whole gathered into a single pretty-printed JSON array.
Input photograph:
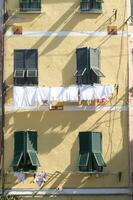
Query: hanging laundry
[
  {"x": 20, "y": 176},
  {"x": 40, "y": 178}
]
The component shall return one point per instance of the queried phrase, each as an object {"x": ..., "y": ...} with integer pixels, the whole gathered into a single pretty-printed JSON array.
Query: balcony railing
[{"x": 25, "y": 7}]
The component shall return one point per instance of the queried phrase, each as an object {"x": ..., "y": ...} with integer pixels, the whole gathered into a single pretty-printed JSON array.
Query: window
[
  {"x": 25, "y": 148},
  {"x": 88, "y": 66},
  {"x": 25, "y": 67},
  {"x": 90, "y": 154},
  {"x": 91, "y": 5},
  {"x": 30, "y": 5}
]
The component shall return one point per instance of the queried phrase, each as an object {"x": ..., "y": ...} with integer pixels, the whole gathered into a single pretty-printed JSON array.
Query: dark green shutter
[
  {"x": 19, "y": 144},
  {"x": 82, "y": 63},
  {"x": 17, "y": 158},
  {"x": 31, "y": 141},
  {"x": 19, "y": 137},
  {"x": 18, "y": 59},
  {"x": 84, "y": 142},
  {"x": 83, "y": 161},
  {"x": 94, "y": 61},
  {"x": 31, "y": 59}
]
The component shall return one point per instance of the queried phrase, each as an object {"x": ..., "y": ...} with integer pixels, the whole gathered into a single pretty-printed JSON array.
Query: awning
[
  {"x": 33, "y": 158},
  {"x": 17, "y": 158}
]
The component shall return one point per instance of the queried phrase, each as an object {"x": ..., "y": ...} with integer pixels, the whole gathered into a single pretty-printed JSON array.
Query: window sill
[
  {"x": 30, "y": 12},
  {"x": 91, "y": 12}
]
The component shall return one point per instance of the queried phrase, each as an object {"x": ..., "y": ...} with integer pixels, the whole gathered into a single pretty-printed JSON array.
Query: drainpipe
[{"x": 2, "y": 11}]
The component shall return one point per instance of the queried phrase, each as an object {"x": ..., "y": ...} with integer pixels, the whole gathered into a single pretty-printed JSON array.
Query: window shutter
[
  {"x": 84, "y": 142},
  {"x": 33, "y": 158},
  {"x": 94, "y": 62},
  {"x": 31, "y": 58},
  {"x": 18, "y": 59},
  {"x": 19, "y": 137},
  {"x": 83, "y": 161},
  {"x": 82, "y": 64},
  {"x": 31, "y": 141},
  {"x": 96, "y": 142}
]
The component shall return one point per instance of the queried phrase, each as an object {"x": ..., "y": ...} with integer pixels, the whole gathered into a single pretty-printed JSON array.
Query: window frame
[
  {"x": 90, "y": 143},
  {"x": 29, "y": 6},
  {"x": 23, "y": 155},
  {"x": 91, "y": 6},
  {"x": 23, "y": 59}
]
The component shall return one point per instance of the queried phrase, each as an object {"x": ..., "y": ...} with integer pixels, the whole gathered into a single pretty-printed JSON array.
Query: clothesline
[{"x": 33, "y": 96}]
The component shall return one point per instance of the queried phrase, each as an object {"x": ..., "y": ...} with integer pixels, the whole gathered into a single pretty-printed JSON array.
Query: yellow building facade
[{"x": 57, "y": 31}]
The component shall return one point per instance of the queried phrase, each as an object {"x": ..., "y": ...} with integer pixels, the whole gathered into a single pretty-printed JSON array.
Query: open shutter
[
  {"x": 98, "y": 162},
  {"x": 83, "y": 161},
  {"x": 31, "y": 59},
  {"x": 31, "y": 141},
  {"x": 18, "y": 59},
  {"x": 32, "y": 147},
  {"x": 94, "y": 61},
  {"x": 33, "y": 158},
  {"x": 82, "y": 66},
  {"x": 19, "y": 139}
]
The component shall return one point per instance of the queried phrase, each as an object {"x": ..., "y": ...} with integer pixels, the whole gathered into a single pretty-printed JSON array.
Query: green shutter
[
  {"x": 18, "y": 59},
  {"x": 19, "y": 137},
  {"x": 31, "y": 141},
  {"x": 82, "y": 63},
  {"x": 94, "y": 62},
  {"x": 99, "y": 159},
  {"x": 31, "y": 58},
  {"x": 96, "y": 142},
  {"x": 83, "y": 161},
  {"x": 84, "y": 142},
  {"x": 33, "y": 158},
  {"x": 17, "y": 158},
  {"x": 84, "y": 1}
]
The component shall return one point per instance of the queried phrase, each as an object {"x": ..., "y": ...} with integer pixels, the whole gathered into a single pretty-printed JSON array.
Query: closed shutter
[
  {"x": 18, "y": 59},
  {"x": 98, "y": 4},
  {"x": 82, "y": 66},
  {"x": 31, "y": 59}
]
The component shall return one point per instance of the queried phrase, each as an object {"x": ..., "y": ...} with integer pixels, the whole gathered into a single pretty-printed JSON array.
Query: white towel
[
  {"x": 86, "y": 92},
  {"x": 18, "y": 97},
  {"x": 97, "y": 91},
  {"x": 43, "y": 94}
]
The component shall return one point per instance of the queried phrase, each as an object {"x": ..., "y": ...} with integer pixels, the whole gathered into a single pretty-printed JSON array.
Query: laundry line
[{"x": 34, "y": 96}]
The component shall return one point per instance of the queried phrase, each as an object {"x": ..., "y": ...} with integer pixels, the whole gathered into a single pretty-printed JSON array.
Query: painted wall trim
[
  {"x": 9, "y": 109},
  {"x": 63, "y": 34},
  {"x": 73, "y": 191}
]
